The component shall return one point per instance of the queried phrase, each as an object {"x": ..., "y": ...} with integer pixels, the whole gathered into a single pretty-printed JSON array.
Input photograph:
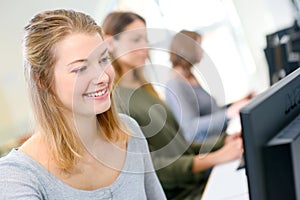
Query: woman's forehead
[{"x": 79, "y": 46}]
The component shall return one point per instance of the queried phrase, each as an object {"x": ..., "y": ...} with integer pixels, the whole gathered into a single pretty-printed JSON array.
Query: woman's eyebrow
[
  {"x": 85, "y": 60},
  {"x": 103, "y": 52},
  {"x": 76, "y": 61}
]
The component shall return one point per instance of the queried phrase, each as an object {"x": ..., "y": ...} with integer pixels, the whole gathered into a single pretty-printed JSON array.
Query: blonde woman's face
[
  {"x": 131, "y": 47},
  {"x": 83, "y": 74}
]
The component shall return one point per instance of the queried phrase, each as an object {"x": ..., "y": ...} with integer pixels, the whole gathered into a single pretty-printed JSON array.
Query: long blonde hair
[{"x": 42, "y": 33}]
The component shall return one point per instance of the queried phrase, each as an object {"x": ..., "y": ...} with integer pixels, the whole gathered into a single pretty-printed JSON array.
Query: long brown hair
[
  {"x": 42, "y": 33},
  {"x": 183, "y": 49},
  {"x": 114, "y": 24}
]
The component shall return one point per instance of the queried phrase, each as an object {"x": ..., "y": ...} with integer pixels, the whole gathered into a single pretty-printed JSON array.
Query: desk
[{"x": 226, "y": 182}]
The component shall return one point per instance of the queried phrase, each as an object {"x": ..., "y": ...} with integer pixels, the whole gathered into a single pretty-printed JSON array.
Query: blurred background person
[
  {"x": 195, "y": 109},
  {"x": 180, "y": 168}
]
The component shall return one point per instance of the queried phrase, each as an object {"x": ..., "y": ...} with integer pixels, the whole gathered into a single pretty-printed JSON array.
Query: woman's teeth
[{"x": 97, "y": 94}]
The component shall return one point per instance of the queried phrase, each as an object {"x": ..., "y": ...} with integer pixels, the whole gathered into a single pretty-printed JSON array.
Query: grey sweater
[
  {"x": 21, "y": 177},
  {"x": 196, "y": 111}
]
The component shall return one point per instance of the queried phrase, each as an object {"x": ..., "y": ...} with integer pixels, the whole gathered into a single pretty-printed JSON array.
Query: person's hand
[
  {"x": 233, "y": 149},
  {"x": 234, "y": 109},
  {"x": 232, "y": 137}
]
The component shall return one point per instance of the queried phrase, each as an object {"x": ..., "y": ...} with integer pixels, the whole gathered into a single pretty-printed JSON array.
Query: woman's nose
[
  {"x": 144, "y": 44},
  {"x": 100, "y": 75}
]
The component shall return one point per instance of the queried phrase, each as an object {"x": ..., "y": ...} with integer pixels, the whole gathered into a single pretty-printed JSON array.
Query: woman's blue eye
[
  {"x": 80, "y": 69},
  {"x": 104, "y": 60}
]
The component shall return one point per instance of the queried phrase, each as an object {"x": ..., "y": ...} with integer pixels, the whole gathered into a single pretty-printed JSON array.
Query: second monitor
[{"x": 262, "y": 119}]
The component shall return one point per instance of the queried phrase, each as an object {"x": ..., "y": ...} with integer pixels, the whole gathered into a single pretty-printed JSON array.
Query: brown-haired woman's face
[{"x": 131, "y": 47}]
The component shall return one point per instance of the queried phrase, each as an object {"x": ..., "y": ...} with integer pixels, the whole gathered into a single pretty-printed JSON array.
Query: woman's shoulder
[
  {"x": 137, "y": 138},
  {"x": 131, "y": 124},
  {"x": 17, "y": 159},
  {"x": 129, "y": 121},
  {"x": 13, "y": 157},
  {"x": 19, "y": 175},
  {"x": 19, "y": 165}
]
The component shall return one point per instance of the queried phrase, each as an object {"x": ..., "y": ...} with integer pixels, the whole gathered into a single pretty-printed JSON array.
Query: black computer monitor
[
  {"x": 282, "y": 163},
  {"x": 282, "y": 52},
  {"x": 262, "y": 119}
]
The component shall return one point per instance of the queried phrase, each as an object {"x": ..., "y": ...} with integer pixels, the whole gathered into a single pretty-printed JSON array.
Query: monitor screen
[{"x": 263, "y": 118}]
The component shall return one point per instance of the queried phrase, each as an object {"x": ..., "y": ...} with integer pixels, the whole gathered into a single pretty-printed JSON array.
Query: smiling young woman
[{"x": 81, "y": 147}]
